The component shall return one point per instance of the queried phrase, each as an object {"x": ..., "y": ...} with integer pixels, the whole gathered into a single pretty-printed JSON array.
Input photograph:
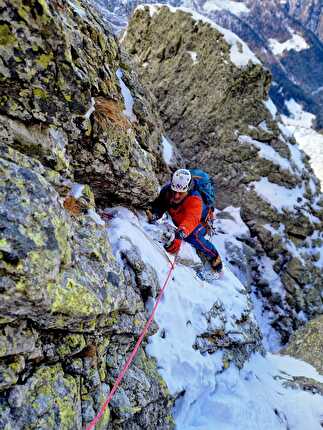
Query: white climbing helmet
[{"x": 181, "y": 181}]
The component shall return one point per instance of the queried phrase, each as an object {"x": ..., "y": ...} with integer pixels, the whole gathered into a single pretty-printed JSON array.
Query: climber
[{"x": 190, "y": 214}]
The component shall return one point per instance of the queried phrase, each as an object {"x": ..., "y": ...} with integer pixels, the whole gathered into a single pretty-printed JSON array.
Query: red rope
[{"x": 133, "y": 353}]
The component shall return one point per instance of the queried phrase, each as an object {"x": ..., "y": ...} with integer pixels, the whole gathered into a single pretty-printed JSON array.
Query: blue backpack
[{"x": 205, "y": 185}]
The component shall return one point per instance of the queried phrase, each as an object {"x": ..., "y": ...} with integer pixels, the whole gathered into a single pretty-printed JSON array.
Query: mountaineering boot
[
  {"x": 211, "y": 271},
  {"x": 217, "y": 266}
]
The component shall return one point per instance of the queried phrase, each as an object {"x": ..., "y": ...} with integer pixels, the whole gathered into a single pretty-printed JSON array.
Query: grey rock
[
  {"x": 64, "y": 299},
  {"x": 307, "y": 343}
]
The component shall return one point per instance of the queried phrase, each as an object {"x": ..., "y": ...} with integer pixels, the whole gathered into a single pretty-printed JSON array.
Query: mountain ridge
[{"x": 293, "y": 73}]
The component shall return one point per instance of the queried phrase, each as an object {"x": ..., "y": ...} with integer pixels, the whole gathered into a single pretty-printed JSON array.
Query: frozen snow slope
[
  {"x": 300, "y": 124},
  {"x": 212, "y": 392}
]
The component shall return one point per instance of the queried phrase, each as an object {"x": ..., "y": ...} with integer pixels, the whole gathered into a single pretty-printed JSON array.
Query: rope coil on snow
[{"x": 96, "y": 419}]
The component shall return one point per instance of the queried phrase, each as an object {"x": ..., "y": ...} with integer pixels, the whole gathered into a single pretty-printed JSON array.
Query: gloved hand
[
  {"x": 152, "y": 218},
  {"x": 176, "y": 243},
  {"x": 174, "y": 246}
]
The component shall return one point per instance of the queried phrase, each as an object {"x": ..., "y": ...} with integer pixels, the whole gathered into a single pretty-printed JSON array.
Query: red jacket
[{"x": 187, "y": 215}]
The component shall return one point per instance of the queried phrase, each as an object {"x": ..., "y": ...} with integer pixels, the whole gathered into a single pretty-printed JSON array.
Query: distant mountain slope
[
  {"x": 292, "y": 52},
  {"x": 309, "y": 12}
]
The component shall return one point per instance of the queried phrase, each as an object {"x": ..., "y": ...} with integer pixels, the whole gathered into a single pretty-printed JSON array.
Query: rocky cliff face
[
  {"x": 56, "y": 80},
  {"x": 307, "y": 343},
  {"x": 215, "y": 111},
  {"x": 71, "y": 109}
]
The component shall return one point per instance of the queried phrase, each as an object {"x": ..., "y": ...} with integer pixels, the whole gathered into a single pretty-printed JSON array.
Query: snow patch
[
  {"x": 271, "y": 107},
  {"x": 124, "y": 35},
  {"x": 168, "y": 150},
  {"x": 263, "y": 125},
  {"x": 96, "y": 218},
  {"x": 91, "y": 109},
  {"x": 77, "y": 8},
  {"x": 269, "y": 274},
  {"x": 59, "y": 138},
  {"x": 297, "y": 156},
  {"x": 296, "y": 42},
  {"x": 76, "y": 190},
  {"x": 127, "y": 97},
  {"x": 193, "y": 56},
  {"x": 271, "y": 338},
  {"x": 285, "y": 131},
  {"x": 233, "y": 225},
  {"x": 298, "y": 116},
  {"x": 237, "y": 8},
  {"x": 278, "y": 196},
  {"x": 268, "y": 152}
]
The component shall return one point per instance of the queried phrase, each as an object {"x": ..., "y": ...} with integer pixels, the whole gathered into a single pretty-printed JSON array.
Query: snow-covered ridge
[
  {"x": 211, "y": 391},
  {"x": 240, "y": 53},
  {"x": 299, "y": 124}
]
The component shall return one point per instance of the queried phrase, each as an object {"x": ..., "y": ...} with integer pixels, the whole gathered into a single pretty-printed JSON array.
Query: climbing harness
[{"x": 96, "y": 419}]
